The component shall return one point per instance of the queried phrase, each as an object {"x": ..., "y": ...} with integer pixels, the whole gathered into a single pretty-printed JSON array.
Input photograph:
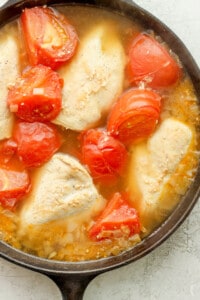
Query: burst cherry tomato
[
  {"x": 117, "y": 219},
  {"x": 36, "y": 142},
  {"x": 49, "y": 38},
  {"x": 14, "y": 185},
  {"x": 36, "y": 95},
  {"x": 150, "y": 62},
  {"x": 104, "y": 155},
  {"x": 134, "y": 116}
]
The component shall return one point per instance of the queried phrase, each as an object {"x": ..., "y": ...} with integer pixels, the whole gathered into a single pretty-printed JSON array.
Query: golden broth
[{"x": 68, "y": 239}]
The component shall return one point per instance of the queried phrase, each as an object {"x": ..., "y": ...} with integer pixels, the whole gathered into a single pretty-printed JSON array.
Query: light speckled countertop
[{"x": 172, "y": 271}]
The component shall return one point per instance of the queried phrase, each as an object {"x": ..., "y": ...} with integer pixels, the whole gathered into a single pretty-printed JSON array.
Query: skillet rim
[{"x": 185, "y": 205}]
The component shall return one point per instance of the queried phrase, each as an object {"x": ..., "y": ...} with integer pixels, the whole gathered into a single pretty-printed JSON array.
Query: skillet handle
[{"x": 72, "y": 288}]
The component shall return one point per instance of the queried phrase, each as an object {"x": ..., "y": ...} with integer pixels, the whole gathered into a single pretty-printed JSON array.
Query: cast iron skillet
[{"x": 72, "y": 278}]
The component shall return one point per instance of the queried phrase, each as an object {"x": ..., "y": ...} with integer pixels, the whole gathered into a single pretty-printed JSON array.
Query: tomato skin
[
  {"x": 36, "y": 142},
  {"x": 14, "y": 185},
  {"x": 105, "y": 156},
  {"x": 117, "y": 214},
  {"x": 151, "y": 63},
  {"x": 49, "y": 37},
  {"x": 135, "y": 115},
  {"x": 36, "y": 95},
  {"x": 8, "y": 149}
]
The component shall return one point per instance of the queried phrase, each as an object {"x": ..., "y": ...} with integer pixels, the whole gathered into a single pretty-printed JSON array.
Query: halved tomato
[
  {"x": 49, "y": 37},
  {"x": 118, "y": 219},
  {"x": 104, "y": 155},
  {"x": 36, "y": 95},
  {"x": 14, "y": 185},
  {"x": 36, "y": 142},
  {"x": 135, "y": 115},
  {"x": 150, "y": 62}
]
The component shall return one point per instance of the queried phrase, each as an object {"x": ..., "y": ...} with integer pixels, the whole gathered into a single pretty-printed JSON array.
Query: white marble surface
[{"x": 172, "y": 271}]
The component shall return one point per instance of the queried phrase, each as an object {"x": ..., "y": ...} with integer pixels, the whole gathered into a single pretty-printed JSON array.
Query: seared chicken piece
[
  {"x": 62, "y": 188},
  {"x": 152, "y": 165},
  {"x": 9, "y": 70},
  {"x": 93, "y": 80}
]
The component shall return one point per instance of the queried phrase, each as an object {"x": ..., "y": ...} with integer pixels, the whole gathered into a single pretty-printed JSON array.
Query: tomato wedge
[
  {"x": 104, "y": 155},
  {"x": 49, "y": 37},
  {"x": 36, "y": 95},
  {"x": 135, "y": 115},
  {"x": 36, "y": 142},
  {"x": 150, "y": 62},
  {"x": 118, "y": 219},
  {"x": 14, "y": 185}
]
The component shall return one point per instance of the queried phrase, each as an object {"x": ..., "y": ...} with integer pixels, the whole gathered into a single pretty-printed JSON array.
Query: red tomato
[
  {"x": 117, "y": 219},
  {"x": 36, "y": 95},
  {"x": 36, "y": 142},
  {"x": 105, "y": 156},
  {"x": 7, "y": 150},
  {"x": 14, "y": 184},
  {"x": 49, "y": 38},
  {"x": 135, "y": 115},
  {"x": 149, "y": 61}
]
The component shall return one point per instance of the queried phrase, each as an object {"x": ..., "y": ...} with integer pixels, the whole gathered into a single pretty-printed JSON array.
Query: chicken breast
[
  {"x": 9, "y": 70},
  {"x": 152, "y": 165},
  {"x": 62, "y": 188},
  {"x": 93, "y": 80}
]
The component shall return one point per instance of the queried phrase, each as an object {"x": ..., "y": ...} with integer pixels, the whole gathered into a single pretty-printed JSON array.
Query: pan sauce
[{"x": 67, "y": 239}]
